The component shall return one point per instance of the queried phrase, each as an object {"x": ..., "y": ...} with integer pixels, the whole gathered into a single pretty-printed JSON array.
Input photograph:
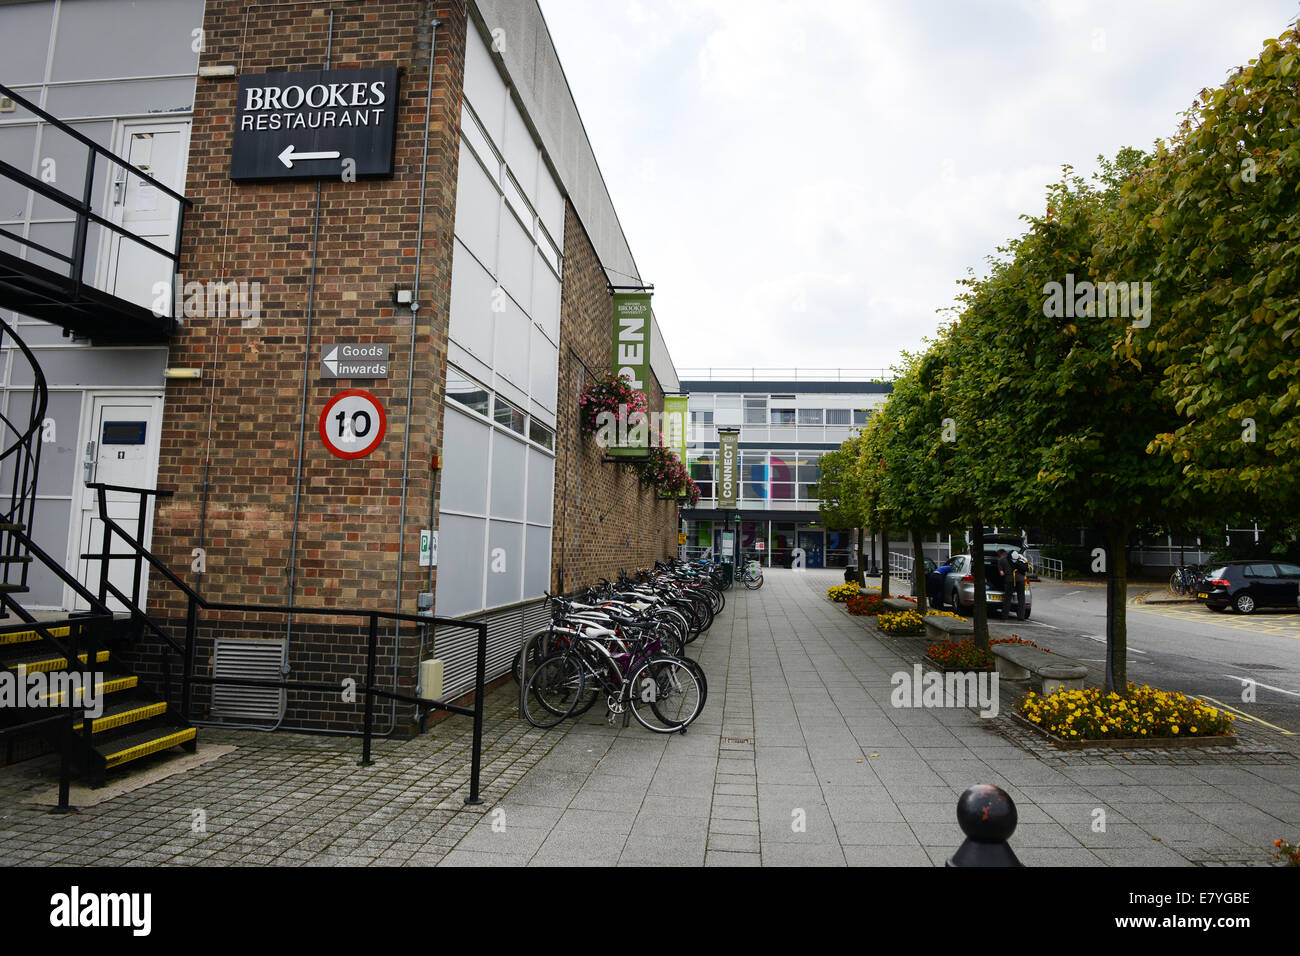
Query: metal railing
[
  {"x": 1051, "y": 568},
  {"x": 82, "y": 206},
  {"x": 23, "y": 458},
  {"x": 196, "y": 603},
  {"x": 900, "y": 565},
  {"x": 785, "y": 375}
]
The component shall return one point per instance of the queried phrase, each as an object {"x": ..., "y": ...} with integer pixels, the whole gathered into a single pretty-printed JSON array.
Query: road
[{"x": 1188, "y": 648}]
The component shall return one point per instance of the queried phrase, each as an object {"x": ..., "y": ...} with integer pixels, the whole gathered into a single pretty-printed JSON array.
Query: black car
[{"x": 1247, "y": 585}]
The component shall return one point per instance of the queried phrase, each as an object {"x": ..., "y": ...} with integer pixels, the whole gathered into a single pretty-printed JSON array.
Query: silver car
[{"x": 959, "y": 584}]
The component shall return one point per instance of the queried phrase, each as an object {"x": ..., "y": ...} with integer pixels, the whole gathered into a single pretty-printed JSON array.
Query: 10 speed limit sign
[{"x": 353, "y": 423}]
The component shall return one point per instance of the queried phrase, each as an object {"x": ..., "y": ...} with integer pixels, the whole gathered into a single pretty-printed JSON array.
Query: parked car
[
  {"x": 959, "y": 583},
  {"x": 1247, "y": 585}
]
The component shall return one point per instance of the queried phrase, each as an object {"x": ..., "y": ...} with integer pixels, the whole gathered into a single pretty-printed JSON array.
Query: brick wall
[
  {"x": 605, "y": 519},
  {"x": 243, "y": 420}
]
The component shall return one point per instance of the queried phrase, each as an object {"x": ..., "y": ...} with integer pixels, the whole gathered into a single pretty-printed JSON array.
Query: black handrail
[
  {"x": 196, "y": 602},
  {"x": 83, "y": 207}
]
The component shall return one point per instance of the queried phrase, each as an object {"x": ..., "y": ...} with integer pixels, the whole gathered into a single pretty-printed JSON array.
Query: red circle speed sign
[{"x": 353, "y": 423}]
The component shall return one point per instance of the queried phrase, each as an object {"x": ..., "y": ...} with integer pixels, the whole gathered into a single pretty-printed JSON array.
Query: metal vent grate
[{"x": 251, "y": 660}]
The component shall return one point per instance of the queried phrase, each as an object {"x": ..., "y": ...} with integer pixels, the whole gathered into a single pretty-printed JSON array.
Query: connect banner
[{"x": 728, "y": 453}]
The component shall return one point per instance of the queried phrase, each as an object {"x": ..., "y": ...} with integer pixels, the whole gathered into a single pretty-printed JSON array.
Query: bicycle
[
  {"x": 1186, "y": 580},
  {"x": 751, "y": 575}
]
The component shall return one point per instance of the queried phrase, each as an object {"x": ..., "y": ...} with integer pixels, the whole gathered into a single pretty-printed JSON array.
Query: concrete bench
[
  {"x": 1052, "y": 671},
  {"x": 948, "y": 627},
  {"x": 898, "y": 604}
]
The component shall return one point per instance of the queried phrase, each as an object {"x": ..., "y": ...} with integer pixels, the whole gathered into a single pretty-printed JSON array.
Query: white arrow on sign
[
  {"x": 288, "y": 155},
  {"x": 331, "y": 360}
]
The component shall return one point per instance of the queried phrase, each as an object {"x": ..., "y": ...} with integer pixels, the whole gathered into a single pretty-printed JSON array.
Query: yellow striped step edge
[
  {"x": 26, "y": 637},
  {"x": 126, "y": 717},
  {"x": 103, "y": 687},
  {"x": 152, "y": 747},
  {"x": 59, "y": 663}
]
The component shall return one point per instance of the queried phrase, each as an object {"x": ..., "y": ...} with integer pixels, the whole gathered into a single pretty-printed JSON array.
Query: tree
[{"x": 1214, "y": 221}]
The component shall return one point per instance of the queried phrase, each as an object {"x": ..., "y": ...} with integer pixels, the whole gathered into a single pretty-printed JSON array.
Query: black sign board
[{"x": 315, "y": 123}]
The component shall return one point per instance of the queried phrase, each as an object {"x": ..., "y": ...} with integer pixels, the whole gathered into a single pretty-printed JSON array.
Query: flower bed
[
  {"x": 1287, "y": 852},
  {"x": 1146, "y": 714},
  {"x": 901, "y": 623},
  {"x": 1017, "y": 639},
  {"x": 861, "y": 604},
  {"x": 842, "y": 592},
  {"x": 934, "y": 613},
  {"x": 960, "y": 655}
]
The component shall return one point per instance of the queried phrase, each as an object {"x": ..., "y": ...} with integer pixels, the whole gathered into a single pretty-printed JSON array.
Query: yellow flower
[{"x": 1174, "y": 728}]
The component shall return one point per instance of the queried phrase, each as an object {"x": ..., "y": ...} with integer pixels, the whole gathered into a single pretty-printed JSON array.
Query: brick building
[{"x": 494, "y": 223}]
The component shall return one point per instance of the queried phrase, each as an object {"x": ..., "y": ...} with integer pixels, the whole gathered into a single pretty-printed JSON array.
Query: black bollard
[{"x": 987, "y": 815}]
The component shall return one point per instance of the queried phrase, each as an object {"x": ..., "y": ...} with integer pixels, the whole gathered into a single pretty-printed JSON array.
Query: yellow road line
[{"x": 1249, "y": 717}]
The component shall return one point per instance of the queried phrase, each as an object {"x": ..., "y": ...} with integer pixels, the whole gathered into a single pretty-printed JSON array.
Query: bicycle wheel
[
  {"x": 1175, "y": 583},
  {"x": 665, "y": 695},
  {"x": 553, "y": 690},
  {"x": 754, "y": 582}
]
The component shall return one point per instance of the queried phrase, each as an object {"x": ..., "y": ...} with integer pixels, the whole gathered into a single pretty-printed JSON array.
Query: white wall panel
[
  {"x": 471, "y": 305},
  {"x": 465, "y": 449},
  {"x": 478, "y": 208},
  {"x": 507, "y": 479},
  {"x": 460, "y": 564}
]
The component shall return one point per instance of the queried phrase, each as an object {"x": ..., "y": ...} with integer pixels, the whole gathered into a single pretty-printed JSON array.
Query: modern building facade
[
  {"x": 463, "y": 258},
  {"x": 787, "y": 420}
]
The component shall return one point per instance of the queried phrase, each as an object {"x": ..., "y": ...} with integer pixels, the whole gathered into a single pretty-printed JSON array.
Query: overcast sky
[{"x": 805, "y": 182}]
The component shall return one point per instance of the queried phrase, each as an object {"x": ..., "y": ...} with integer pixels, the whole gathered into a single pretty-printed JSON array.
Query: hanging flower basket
[{"x": 604, "y": 401}]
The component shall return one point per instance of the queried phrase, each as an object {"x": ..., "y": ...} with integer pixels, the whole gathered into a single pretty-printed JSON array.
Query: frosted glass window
[
  {"x": 505, "y": 562},
  {"x": 478, "y": 207},
  {"x": 510, "y": 345},
  {"x": 472, "y": 318},
  {"x": 521, "y": 152},
  {"x": 537, "y": 562},
  {"x": 541, "y": 486},
  {"x": 546, "y": 299},
  {"x": 478, "y": 141},
  {"x": 465, "y": 448},
  {"x": 507, "y": 478},
  {"x": 483, "y": 86},
  {"x": 543, "y": 360},
  {"x": 509, "y": 416},
  {"x": 517, "y": 254},
  {"x": 550, "y": 206},
  {"x": 460, "y": 581}
]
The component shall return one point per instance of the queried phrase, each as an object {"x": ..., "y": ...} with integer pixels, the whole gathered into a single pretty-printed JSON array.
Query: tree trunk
[
  {"x": 980, "y": 615},
  {"x": 884, "y": 560},
  {"x": 918, "y": 571},
  {"x": 1116, "y": 605}
]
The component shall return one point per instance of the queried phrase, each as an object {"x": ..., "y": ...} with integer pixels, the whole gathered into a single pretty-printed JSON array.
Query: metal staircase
[{"x": 59, "y": 674}]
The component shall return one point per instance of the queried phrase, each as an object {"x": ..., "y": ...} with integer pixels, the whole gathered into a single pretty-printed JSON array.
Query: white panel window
[
  {"x": 484, "y": 87},
  {"x": 472, "y": 133},
  {"x": 505, "y": 562},
  {"x": 546, "y": 299},
  {"x": 541, "y": 486},
  {"x": 478, "y": 209},
  {"x": 464, "y": 487},
  {"x": 472, "y": 292},
  {"x": 510, "y": 344},
  {"x": 460, "y": 581},
  {"x": 542, "y": 360},
  {"x": 522, "y": 155},
  {"x": 550, "y": 206},
  {"x": 507, "y": 479},
  {"x": 517, "y": 255},
  {"x": 537, "y": 562}
]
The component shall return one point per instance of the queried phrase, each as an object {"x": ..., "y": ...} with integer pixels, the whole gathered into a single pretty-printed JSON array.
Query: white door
[
  {"x": 131, "y": 269},
  {"x": 120, "y": 447}
]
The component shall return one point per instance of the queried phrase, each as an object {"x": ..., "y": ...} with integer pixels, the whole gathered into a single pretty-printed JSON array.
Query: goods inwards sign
[
  {"x": 354, "y": 360},
  {"x": 338, "y": 123}
]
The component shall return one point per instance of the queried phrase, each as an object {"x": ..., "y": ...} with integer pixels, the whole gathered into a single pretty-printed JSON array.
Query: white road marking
[{"x": 1249, "y": 680}]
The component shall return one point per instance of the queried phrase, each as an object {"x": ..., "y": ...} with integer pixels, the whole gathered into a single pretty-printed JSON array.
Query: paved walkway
[{"x": 798, "y": 759}]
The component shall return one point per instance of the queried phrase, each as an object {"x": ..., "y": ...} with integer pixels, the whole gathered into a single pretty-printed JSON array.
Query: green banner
[
  {"x": 631, "y": 355},
  {"x": 675, "y": 426},
  {"x": 630, "y": 359},
  {"x": 728, "y": 476}
]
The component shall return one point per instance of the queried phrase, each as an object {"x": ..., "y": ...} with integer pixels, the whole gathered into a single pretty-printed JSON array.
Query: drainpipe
[{"x": 410, "y": 368}]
